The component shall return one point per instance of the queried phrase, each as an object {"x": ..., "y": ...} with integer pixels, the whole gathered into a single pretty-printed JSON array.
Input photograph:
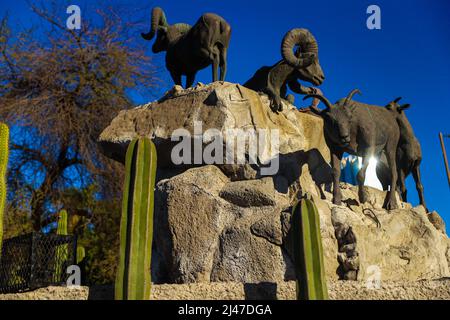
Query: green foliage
[
  {"x": 136, "y": 227},
  {"x": 103, "y": 242},
  {"x": 4, "y": 154},
  {"x": 16, "y": 222},
  {"x": 96, "y": 222},
  {"x": 308, "y": 253}
]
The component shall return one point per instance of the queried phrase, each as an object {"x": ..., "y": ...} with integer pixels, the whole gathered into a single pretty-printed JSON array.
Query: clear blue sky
[{"x": 408, "y": 57}]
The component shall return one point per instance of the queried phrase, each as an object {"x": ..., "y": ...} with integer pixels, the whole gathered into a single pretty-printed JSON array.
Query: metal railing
[{"x": 35, "y": 260}]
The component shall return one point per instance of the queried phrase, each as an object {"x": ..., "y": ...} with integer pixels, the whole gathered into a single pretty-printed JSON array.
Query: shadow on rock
[{"x": 260, "y": 291}]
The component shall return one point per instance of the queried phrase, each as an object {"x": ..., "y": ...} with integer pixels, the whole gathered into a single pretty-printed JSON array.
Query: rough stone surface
[
  {"x": 225, "y": 106},
  {"x": 338, "y": 290},
  {"x": 437, "y": 221},
  {"x": 221, "y": 106},
  {"x": 245, "y": 235},
  {"x": 229, "y": 223},
  {"x": 403, "y": 245},
  {"x": 250, "y": 193},
  {"x": 200, "y": 236}
]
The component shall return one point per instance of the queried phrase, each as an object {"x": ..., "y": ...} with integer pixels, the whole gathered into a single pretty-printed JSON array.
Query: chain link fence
[{"x": 35, "y": 260}]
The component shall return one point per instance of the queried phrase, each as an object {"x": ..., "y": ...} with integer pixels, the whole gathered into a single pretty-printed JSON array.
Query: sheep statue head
[
  {"x": 165, "y": 33},
  {"x": 396, "y": 107},
  {"x": 299, "y": 51},
  {"x": 305, "y": 60},
  {"x": 338, "y": 117}
]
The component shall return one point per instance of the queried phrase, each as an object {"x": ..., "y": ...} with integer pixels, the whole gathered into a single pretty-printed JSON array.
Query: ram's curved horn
[
  {"x": 404, "y": 106},
  {"x": 306, "y": 42},
  {"x": 158, "y": 20},
  {"x": 351, "y": 94},
  {"x": 327, "y": 102}
]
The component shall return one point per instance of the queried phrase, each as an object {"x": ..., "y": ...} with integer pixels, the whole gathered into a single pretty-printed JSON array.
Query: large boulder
[
  {"x": 220, "y": 105},
  {"x": 233, "y": 112},
  {"x": 399, "y": 244},
  {"x": 210, "y": 229},
  {"x": 213, "y": 229}
]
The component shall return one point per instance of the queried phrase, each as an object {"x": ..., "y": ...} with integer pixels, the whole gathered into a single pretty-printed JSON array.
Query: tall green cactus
[
  {"x": 62, "y": 223},
  {"x": 62, "y": 251},
  {"x": 133, "y": 280},
  {"x": 308, "y": 253},
  {"x": 4, "y": 154}
]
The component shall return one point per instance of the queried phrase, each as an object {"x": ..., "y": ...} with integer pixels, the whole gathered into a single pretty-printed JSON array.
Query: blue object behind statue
[{"x": 350, "y": 170}]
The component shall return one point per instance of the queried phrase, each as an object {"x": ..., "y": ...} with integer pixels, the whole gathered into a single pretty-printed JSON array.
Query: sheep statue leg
[
  {"x": 215, "y": 64},
  {"x": 176, "y": 77},
  {"x": 190, "y": 78},
  {"x": 361, "y": 177},
  {"x": 391, "y": 158},
  {"x": 223, "y": 63},
  {"x": 336, "y": 158},
  {"x": 402, "y": 185},
  {"x": 419, "y": 187},
  {"x": 274, "y": 98}
]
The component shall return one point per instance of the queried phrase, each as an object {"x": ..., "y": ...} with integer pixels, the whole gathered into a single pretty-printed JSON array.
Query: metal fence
[{"x": 35, "y": 260}]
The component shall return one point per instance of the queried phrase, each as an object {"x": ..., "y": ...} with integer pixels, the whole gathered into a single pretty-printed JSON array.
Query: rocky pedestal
[
  {"x": 215, "y": 229},
  {"x": 230, "y": 111},
  {"x": 229, "y": 222}
]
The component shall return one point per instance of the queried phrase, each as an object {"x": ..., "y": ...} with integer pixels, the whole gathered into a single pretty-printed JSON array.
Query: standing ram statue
[
  {"x": 190, "y": 49},
  {"x": 363, "y": 130},
  {"x": 303, "y": 64}
]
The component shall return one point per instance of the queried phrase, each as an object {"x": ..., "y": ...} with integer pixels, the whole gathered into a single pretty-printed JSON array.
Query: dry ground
[{"x": 338, "y": 290}]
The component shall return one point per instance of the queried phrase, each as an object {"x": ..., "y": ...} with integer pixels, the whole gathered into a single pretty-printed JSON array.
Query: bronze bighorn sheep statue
[
  {"x": 363, "y": 130},
  {"x": 409, "y": 154},
  {"x": 301, "y": 65},
  {"x": 190, "y": 49}
]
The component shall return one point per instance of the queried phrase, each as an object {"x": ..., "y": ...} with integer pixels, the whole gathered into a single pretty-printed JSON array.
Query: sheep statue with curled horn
[
  {"x": 363, "y": 130},
  {"x": 190, "y": 49},
  {"x": 303, "y": 64}
]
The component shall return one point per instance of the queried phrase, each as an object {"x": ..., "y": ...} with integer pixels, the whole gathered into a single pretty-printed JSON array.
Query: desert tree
[{"x": 59, "y": 89}]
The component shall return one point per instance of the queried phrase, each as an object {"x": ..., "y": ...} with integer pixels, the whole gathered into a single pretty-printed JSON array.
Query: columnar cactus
[
  {"x": 4, "y": 154},
  {"x": 136, "y": 227},
  {"x": 62, "y": 251},
  {"x": 62, "y": 223},
  {"x": 308, "y": 253}
]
